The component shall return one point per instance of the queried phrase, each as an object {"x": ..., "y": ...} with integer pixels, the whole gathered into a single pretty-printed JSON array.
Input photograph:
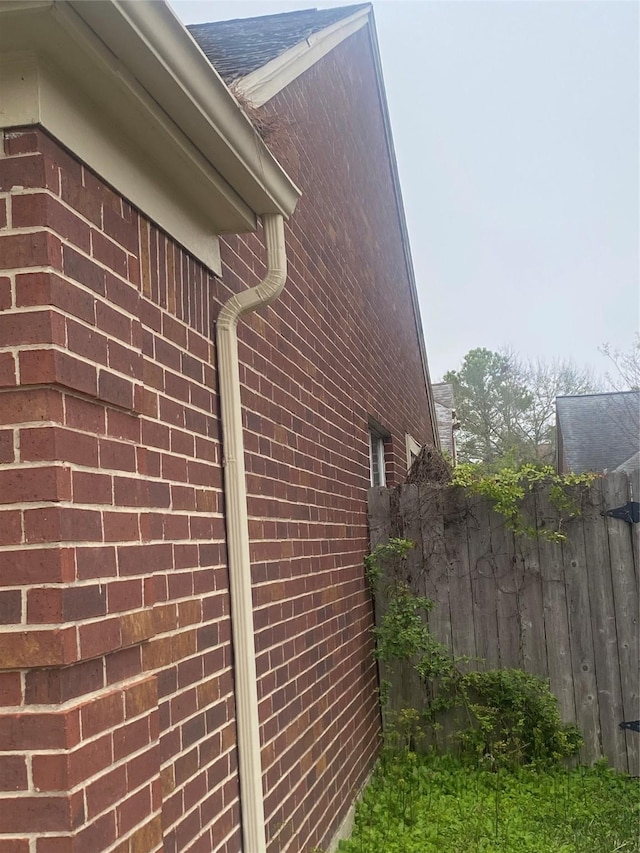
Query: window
[{"x": 377, "y": 468}]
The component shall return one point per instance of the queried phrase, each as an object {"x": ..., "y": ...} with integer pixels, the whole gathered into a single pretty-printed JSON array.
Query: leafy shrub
[{"x": 515, "y": 718}]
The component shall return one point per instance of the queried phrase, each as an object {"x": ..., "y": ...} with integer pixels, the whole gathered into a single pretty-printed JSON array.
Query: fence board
[
  {"x": 436, "y": 578},
  {"x": 582, "y": 653},
  {"x": 507, "y": 592},
  {"x": 634, "y": 486},
  {"x": 460, "y": 593},
  {"x": 554, "y": 599},
  {"x": 625, "y": 606},
  {"x": 483, "y": 584},
  {"x": 380, "y": 517},
  {"x": 531, "y": 610},
  {"x": 604, "y": 629},
  {"x": 410, "y": 692}
]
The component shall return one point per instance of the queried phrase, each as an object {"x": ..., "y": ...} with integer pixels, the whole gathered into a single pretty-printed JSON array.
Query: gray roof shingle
[
  {"x": 599, "y": 431},
  {"x": 236, "y": 48},
  {"x": 632, "y": 464},
  {"x": 443, "y": 394}
]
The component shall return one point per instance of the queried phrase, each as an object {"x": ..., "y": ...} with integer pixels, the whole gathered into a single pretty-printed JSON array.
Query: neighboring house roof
[
  {"x": 632, "y": 464},
  {"x": 446, "y": 416},
  {"x": 443, "y": 394},
  {"x": 239, "y": 47},
  {"x": 598, "y": 432}
]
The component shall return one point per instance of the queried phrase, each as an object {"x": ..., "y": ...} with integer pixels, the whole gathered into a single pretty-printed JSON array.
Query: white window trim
[
  {"x": 413, "y": 449},
  {"x": 380, "y": 435},
  {"x": 382, "y": 468}
]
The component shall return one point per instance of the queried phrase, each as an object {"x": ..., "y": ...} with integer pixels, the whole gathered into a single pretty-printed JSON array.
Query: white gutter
[
  {"x": 124, "y": 87},
  {"x": 150, "y": 39},
  {"x": 248, "y": 731}
]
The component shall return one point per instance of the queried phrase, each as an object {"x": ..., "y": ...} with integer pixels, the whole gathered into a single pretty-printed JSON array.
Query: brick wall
[
  {"x": 117, "y": 721},
  {"x": 116, "y": 680}
]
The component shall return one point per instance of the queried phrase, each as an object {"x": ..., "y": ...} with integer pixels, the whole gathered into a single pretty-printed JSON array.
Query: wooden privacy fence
[{"x": 567, "y": 612}]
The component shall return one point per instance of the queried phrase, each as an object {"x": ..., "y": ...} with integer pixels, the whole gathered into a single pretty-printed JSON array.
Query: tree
[
  {"x": 547, "y": 380},
  {"x": 625, "y": 377},
  {"x": 490, "y": 402},
  {"x": 506, "y": 406},
  {"x": 626, "y": 365}
]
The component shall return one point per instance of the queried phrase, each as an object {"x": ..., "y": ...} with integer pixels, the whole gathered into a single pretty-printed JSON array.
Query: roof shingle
[
  {"x": 599, "y": 431},
  {"x": 236, "y": 48}
]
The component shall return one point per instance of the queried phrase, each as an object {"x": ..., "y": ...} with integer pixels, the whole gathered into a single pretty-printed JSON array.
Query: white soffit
[
  {"x": 264, "y": 83},
  {"x": 111, "y": 81}
]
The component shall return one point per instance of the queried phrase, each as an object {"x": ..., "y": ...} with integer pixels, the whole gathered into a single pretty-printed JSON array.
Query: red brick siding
[{"x": 116, "y": 685}]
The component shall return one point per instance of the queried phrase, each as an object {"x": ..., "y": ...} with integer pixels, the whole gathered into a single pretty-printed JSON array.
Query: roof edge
[
  {"x": 264, "y": 83},
  {"x": 597, "y": 394},
  {"x": 150, "y": 40},
  {"x": 404, "y": 232}
]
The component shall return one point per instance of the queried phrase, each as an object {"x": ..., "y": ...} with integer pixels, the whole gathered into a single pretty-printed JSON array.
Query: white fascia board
[
  {"x": 264, "y": 83},
  {"x": 34, "y": 93},
  {"x": 195, "y": 171},
  {"x": 159, "y": 51}
]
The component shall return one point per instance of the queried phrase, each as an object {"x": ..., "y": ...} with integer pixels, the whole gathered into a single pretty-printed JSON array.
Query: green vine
[
  {"x": 404, "y": 634},
  {"x": 393, "y": 550},
  {"x": 508, "y": 487}
]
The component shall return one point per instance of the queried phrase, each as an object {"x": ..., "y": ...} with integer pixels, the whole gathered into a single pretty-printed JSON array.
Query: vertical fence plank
[
  {"x": 380, "y": 520},
  {"x": 634, "y": 492},
  {"x": 436, "y": 576},
  {"x": 507, "y": 592},
  {"x": 554, "y": 600},
  {"x": 411, "y": 690},
  {"x": 461, "y": 610},
  {"x": 582, "y": 651},
  {"x": 605, "y": 641},
  {"x": 483, "y": 583},
  {"x": 436, "y": 582},
  {"x": 634, "y": 484},
  {"x": 410, "y": 528},
  {"x": 531, "y": 611},
  {"x": 625, "y": 607}
]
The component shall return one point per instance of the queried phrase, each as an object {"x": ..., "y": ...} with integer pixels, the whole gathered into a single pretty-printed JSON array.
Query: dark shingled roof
[
  {"x": 236, "y": 48},
  {"x": 443, "y": 394},
  {"x": 445, "y": 414},
  {"x": 631, "y": 465},
  {"x": 599, "y": 431}
]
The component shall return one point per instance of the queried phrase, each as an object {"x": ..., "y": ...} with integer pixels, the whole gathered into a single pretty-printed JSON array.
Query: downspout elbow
[{"x": 272, "y": 284}]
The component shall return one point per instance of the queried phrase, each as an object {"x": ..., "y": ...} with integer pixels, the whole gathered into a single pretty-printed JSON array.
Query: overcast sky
[{"x": 516, "y": 128}]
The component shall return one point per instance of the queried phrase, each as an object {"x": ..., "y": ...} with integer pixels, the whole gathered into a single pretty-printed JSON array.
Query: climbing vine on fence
[{"x": 508, "y": 487}]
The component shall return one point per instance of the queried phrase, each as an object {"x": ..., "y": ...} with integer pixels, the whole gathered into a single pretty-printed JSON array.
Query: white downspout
[{"x": 249, "y": 762}]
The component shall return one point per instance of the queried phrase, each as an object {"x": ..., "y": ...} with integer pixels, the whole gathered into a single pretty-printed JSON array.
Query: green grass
[{"x": 437, "y": 804}]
